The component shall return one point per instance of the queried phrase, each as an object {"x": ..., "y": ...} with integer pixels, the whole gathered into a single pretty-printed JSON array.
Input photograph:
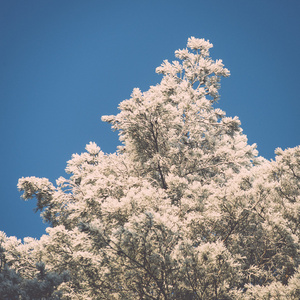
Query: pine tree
[
  {"x": 43, "y": 286},
  {"x": 185, "y": 209}
]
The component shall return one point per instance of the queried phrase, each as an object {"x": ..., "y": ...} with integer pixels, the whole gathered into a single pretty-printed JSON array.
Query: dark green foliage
[{"x": 42, "y": 287}]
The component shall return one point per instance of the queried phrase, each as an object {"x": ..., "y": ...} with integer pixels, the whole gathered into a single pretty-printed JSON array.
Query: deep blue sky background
[{"x": 63, "y": 64}]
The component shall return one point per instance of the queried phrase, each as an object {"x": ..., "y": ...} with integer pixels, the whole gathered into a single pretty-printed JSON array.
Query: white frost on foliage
[
  {"x": 92, "y": 148},
  {"x": 195, "y": 44},
  {"x": 185, "y": 209}
]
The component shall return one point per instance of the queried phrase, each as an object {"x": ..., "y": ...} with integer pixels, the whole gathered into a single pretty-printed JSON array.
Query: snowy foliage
[
  {"x": 26, "y": 281},
  {"x": 185, "y": 209}
]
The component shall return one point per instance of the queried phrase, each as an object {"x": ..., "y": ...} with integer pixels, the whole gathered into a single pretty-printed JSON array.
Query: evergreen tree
[
  {"x": 42, "y": 287},
  {"x": 185, "y": 209}
]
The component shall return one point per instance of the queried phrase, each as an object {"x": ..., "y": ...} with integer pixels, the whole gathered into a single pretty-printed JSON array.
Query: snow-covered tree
[
  {"x": 185, "y": 208},
  {"x": 26, "y": 282}
]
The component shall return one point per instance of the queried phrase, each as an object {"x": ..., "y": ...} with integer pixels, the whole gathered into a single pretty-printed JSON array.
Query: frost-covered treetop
[
  {"x": 174, "y": 125},
  {"x": 197, "y": 67},
  {"x": 183, "y": 210},
  {"x": 199, "y": 44}
]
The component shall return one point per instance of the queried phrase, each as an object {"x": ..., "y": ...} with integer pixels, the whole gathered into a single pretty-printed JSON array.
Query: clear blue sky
[{"x": 63, "y": 64}]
